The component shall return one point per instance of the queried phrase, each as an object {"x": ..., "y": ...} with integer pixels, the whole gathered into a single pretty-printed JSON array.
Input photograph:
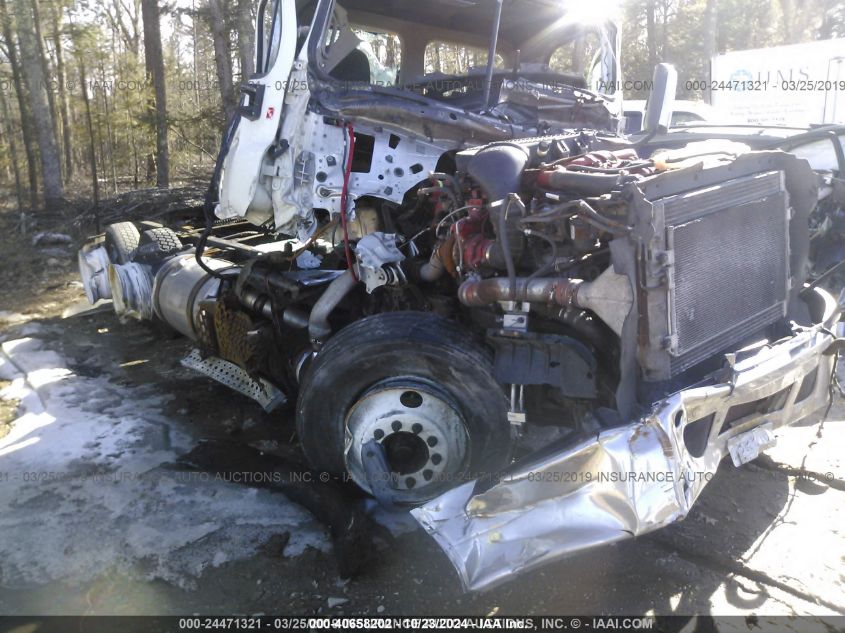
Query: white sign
[{"x": 798, "y": 85}]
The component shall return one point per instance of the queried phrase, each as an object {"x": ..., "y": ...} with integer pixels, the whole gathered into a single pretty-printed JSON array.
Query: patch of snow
[
  {"x": 46, "y": 237},
  {"x": 12, "y": 317},
  {"x": 89, "y": 488}
]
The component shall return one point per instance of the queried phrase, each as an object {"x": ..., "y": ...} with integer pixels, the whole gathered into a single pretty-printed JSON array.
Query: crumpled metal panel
[
  {"x": 597, "y": 492},
  {"x": 629, "y": 480}
]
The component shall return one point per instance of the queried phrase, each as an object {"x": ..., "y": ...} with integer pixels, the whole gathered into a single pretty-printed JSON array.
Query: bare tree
[
  {"x": 222, "y": 55},
  {"x": 154, "y": 60},
  {"x": 20, "y": 92},
  {"x": 246, "y": 39},
  {"x": 711, "y": 25},
  {"x": 788, "y": 21},
  {"x": 651, "y": 33},
  {"x": 49, "y": 85},
  {"x": 110, "y": 138},
  {"x": 92, "y": 152},
  {"x": 61, "y": 77},
  {"x": 36, "y": 83},
  {"x": 13, "y": 155},
  {"x": 124, "y": 17}
]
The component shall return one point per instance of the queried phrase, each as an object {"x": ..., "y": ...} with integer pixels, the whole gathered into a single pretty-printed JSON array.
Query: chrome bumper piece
[{"x": 636, "y": 478}]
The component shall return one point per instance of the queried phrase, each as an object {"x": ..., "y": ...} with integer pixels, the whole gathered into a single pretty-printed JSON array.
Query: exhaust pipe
[
  {"x": 610, "y": 296},
  {"x": 483, "y": 292}
]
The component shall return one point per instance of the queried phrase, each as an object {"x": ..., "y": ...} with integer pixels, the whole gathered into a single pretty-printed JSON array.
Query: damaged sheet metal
[
  {"x": 584, "y": 496},
  {"x": 628, "y": 480}
]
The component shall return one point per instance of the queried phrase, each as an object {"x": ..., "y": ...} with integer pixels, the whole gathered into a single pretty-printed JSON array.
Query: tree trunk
[
  {"x": 196, "y": 54},
  {"x": 711, "y": 25},
  {"x": 246, "y": 39},
  {"x": 36, "y": 82},
  {"x": 196, "y": 79},
  {"x": 64, "y": 109},
  {"x": 788, "y": 21},
  {"x": 136, "y": 174},
  {"x": 651, "y": 34},
  {"x": 26, "y": 116},
  {"x": 110, "y": 138},
  {"x": 50, "y": 79},
  {"x": 126, "y": 28},
  {"x": 13, "y": 156},
  {"x": 154, "y": 61},
  {"x": 222, "y": 56},
  {"x": 92, "y": 152}
]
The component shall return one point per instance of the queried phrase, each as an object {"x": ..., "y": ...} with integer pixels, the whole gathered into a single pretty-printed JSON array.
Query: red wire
[{"x": 344, "y": 197}]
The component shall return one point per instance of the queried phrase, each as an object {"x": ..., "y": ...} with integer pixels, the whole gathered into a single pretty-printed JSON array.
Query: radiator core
[{"x": 730, "y": 273}]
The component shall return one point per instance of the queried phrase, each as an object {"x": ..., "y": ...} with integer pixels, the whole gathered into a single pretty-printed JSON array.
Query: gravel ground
[{"x": 105, "y": 410}]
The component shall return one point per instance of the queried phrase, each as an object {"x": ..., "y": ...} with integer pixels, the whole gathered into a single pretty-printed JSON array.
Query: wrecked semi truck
[{"x": 429, "y": 262}]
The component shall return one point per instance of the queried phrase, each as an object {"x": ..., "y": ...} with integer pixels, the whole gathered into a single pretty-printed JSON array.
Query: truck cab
[
  {"x": 427, "y": 229},
  {"x": 383, "y": 66}
]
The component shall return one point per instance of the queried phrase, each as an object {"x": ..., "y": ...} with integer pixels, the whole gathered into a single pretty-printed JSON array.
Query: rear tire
[
  {"x": 157, "y": 244},
  {"x": 122, "y": 242},
  {"x": 419, "y": 386}
]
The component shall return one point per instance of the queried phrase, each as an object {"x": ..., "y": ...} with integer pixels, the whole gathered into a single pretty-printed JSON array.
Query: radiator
[
  {"x": 713, "y": 262},
  {"x": 730, "y": 248}
]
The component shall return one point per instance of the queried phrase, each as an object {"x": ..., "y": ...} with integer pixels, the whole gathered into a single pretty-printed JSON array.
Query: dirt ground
[{"x": 764, "y": 539}]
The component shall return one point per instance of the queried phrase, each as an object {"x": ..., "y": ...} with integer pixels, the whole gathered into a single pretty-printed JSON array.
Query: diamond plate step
[{"x": 263, "y": 392}]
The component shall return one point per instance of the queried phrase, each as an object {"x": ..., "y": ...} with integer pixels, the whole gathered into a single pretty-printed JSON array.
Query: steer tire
[
  {"x": 122, "y": 242},
  {"x": 378, "y": 357}
]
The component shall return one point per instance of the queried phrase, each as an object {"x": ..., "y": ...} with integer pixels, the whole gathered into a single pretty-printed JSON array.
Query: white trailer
[{"x": 799, "y": 84}]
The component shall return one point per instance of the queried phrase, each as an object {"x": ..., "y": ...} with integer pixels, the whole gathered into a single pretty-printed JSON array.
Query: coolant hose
[{"x": 587, "y": 184}]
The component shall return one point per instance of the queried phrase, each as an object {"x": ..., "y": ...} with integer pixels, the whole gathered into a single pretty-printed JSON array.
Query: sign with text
[{"x": 800, "y": 84}]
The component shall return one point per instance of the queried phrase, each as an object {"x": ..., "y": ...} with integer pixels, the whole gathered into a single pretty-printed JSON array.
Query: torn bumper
[{"x": 639, "y": 477}]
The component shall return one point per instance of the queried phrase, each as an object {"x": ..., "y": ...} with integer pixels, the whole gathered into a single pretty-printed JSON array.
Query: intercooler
[{"x": 713, "y": 263}]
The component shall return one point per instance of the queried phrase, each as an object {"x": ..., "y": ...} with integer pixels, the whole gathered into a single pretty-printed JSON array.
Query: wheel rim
[{"x": 421, "y": 429}]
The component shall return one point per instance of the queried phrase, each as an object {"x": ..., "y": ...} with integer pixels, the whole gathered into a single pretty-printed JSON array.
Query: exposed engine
[{"x": 591, "y": 272}]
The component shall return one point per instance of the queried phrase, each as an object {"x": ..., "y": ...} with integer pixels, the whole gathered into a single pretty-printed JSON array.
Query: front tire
[{"x": 419, "y": 386}]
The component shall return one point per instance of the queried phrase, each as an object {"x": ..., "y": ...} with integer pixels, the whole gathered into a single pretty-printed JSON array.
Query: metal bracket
[
  {"x": 254, "y": 101},
  {"x": 379, "y": 261},
  {"x": 515, "y": 318},
  {"x": 516, "y": 414}
]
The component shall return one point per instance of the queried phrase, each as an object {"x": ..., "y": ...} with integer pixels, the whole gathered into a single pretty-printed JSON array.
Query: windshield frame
[{"x": 609, "y": 57}]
